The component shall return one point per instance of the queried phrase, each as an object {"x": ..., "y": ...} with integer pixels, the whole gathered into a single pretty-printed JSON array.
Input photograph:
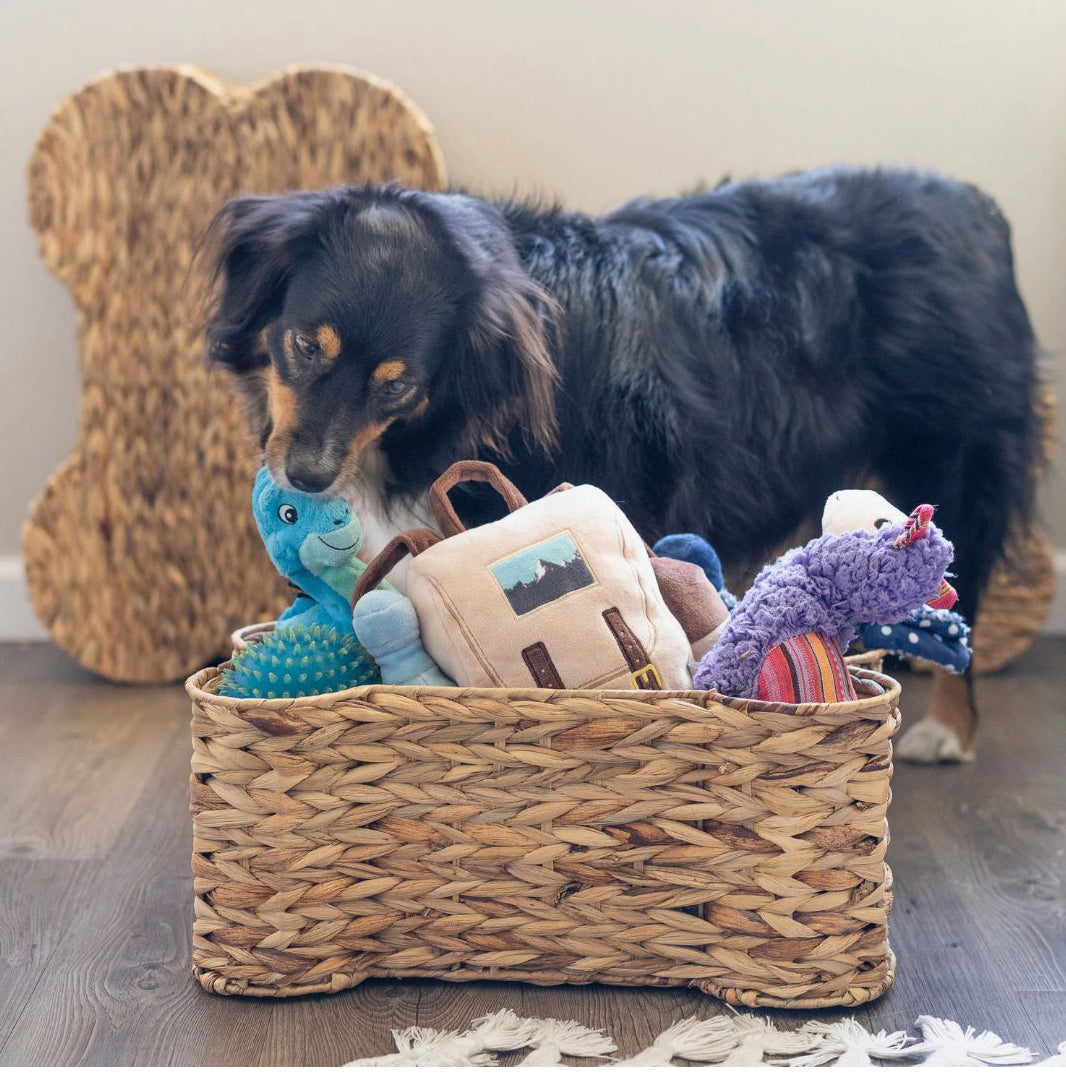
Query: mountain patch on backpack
[{"x": 542, "y": 573}]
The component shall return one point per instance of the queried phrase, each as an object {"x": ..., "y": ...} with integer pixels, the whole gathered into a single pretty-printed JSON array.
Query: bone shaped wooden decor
[{"x": 141, "y": 552}]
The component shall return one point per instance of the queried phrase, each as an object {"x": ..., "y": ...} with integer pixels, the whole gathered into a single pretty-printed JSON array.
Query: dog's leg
[{"x": 946, "y": 733}]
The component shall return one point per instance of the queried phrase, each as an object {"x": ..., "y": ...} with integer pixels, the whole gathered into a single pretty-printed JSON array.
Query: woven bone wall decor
[{"x": 141, "y": 554}]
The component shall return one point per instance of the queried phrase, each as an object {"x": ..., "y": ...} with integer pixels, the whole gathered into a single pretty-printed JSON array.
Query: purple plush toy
[{"x": 819, "y": 594}]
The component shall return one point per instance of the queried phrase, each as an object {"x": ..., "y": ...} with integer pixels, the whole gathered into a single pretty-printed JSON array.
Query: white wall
[{"x": 593, "y": 102}]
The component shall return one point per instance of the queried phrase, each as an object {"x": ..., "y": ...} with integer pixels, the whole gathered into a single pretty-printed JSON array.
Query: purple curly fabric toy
[{"x": 827, "y": 587}]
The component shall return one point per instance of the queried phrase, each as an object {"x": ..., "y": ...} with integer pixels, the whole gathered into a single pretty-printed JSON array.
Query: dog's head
[{"x": 365, "y": 313}]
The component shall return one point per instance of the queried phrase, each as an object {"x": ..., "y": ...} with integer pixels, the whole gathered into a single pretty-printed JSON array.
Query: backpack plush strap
[
  {"x": 469, "y": 470},
  {"x": 410, "y": 541},
  {"x": 642, "y": 672}
]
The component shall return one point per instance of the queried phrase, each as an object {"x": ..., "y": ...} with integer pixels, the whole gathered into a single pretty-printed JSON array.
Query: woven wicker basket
[{"x": 625, "y": 837}]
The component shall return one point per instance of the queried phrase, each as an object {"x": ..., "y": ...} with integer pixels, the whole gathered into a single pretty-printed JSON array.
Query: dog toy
[
  {"x": 786, "y": 637},
  {"x": 859, "y": 509},
  {"x": 937, "y": 635},
  {"x": 699, "y": 551},
  {"x": 692, "y": 600},
  {"x": 914, "y": 529},
  {"x": 314, "y": 544},
  {"x": 387, "y": 625},
  {"x": 932, "y": 632},
  {"x": 295, "y": 661}
]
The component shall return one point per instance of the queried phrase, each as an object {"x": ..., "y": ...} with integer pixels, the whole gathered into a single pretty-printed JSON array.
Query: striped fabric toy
[{"x": 806, "y": 668}]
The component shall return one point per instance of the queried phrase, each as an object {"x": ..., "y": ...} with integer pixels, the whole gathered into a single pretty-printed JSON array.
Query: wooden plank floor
[{"x": 95, "y": 891}]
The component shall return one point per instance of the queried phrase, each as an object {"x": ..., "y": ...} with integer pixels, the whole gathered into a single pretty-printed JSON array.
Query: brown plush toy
[{"x": 692, "y": 600}]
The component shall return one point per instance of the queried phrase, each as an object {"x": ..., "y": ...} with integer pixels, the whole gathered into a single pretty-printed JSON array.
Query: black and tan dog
[{"x": 718, "y": 363}]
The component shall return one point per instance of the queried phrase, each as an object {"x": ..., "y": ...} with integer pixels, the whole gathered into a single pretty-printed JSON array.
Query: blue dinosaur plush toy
[
  {"x": 387, "y": 625},
  {"x": 314, "y": 544}
]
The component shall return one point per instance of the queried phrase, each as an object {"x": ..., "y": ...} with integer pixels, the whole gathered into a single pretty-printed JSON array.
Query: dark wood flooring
[{"x": 95, "y": 893}]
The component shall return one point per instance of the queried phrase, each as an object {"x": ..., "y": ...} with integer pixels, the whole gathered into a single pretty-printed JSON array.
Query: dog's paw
[{"x": 929, "y": 742}]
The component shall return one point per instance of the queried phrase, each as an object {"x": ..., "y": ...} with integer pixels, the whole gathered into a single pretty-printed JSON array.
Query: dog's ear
[
  {"x": 504, "y": 373},
  {"x": 249, "y": 251}
]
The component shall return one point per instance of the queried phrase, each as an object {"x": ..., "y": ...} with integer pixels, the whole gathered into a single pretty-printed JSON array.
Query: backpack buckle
[{"x": 646, "y": 678}]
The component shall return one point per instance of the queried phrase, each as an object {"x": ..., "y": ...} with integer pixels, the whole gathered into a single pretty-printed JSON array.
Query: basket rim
[{"x": 888, "y": 693}]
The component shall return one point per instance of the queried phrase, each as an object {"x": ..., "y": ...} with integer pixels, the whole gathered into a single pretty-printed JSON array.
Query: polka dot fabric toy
[{"x": 931, "y": 634}]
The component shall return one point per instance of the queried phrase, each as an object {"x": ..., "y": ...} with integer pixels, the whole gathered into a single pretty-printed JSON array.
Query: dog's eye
[
  {"x": 308, "y": 346},
  {"x": 395, "y": 389},
  {"x": 288, "y": 514}
]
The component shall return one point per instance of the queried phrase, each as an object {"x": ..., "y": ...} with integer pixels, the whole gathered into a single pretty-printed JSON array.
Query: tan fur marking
[
  {"x": 329, "y": 340},
  {"x": 357, "y": 446},
  {"x": 421, "y": 408},
  {"x": 283, "y": 416},
  {"x": 951, "y": 704},
  {"x": 390, "y": 371},
  {"x": 287, "y": 344}
]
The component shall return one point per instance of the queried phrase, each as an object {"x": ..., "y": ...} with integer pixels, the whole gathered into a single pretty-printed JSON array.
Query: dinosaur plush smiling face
[{"x": 302, "y": 531}]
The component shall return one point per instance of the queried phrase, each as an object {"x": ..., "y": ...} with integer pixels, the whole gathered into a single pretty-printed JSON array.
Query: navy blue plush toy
[
  {"x": 931, "y": 634},
  {"x": 699, "y": 551}
]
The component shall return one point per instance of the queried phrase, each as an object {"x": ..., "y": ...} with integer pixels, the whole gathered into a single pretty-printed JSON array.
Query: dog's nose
[{"x": 307, "y": 478}]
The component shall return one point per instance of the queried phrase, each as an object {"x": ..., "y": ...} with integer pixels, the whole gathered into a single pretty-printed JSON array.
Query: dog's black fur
[{"x": 718, "y": 363}]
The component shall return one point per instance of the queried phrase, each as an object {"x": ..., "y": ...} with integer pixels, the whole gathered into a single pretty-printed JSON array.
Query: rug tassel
[
  {"x": 555, "y": 1038},
  {"x": 954, "y": 1047},
  {"x": 710, "y": 1040},
  {"x": 419, "y": 1047},
  {"x": 849, "y": 1044},
  {"x": 757, "y": 1038},
  {"x": 743, "y": 1041},
  {"x": 502, "y": 1032},
  {"x": 1056, "y": 1061}
]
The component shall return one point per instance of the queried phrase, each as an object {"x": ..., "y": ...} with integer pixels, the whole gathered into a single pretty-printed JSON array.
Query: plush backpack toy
[{"x": 558, "y": 593}]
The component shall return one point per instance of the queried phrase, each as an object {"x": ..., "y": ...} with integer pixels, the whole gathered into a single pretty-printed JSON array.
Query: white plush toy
[{"x": 858, "y": 509}]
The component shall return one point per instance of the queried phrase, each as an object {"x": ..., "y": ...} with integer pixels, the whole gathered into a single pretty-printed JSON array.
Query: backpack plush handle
[
  {"x": 469, "y": 470},
  {"x": 410, "y": 541}
]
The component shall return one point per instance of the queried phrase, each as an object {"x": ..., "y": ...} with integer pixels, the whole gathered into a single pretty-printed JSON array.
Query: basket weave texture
[
  {"x": 624, "y": 837},
  {"x": 140, "y": 551}
]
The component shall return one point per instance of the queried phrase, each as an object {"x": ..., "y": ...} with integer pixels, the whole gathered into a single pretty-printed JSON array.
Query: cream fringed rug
[{"x": 729, "y": 1040}]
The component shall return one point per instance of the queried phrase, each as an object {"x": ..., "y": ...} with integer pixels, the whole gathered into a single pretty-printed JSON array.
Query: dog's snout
[{"x": 307, "y": 476}]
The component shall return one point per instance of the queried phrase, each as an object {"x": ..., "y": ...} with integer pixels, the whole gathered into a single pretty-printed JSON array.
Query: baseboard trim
[
  {"x": 1056, "y": 620},
  {"x": 18, "y": 622}
]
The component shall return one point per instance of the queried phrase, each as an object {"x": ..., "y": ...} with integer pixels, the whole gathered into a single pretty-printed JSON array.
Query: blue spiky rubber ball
[{"x": 294, "y": 662}]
